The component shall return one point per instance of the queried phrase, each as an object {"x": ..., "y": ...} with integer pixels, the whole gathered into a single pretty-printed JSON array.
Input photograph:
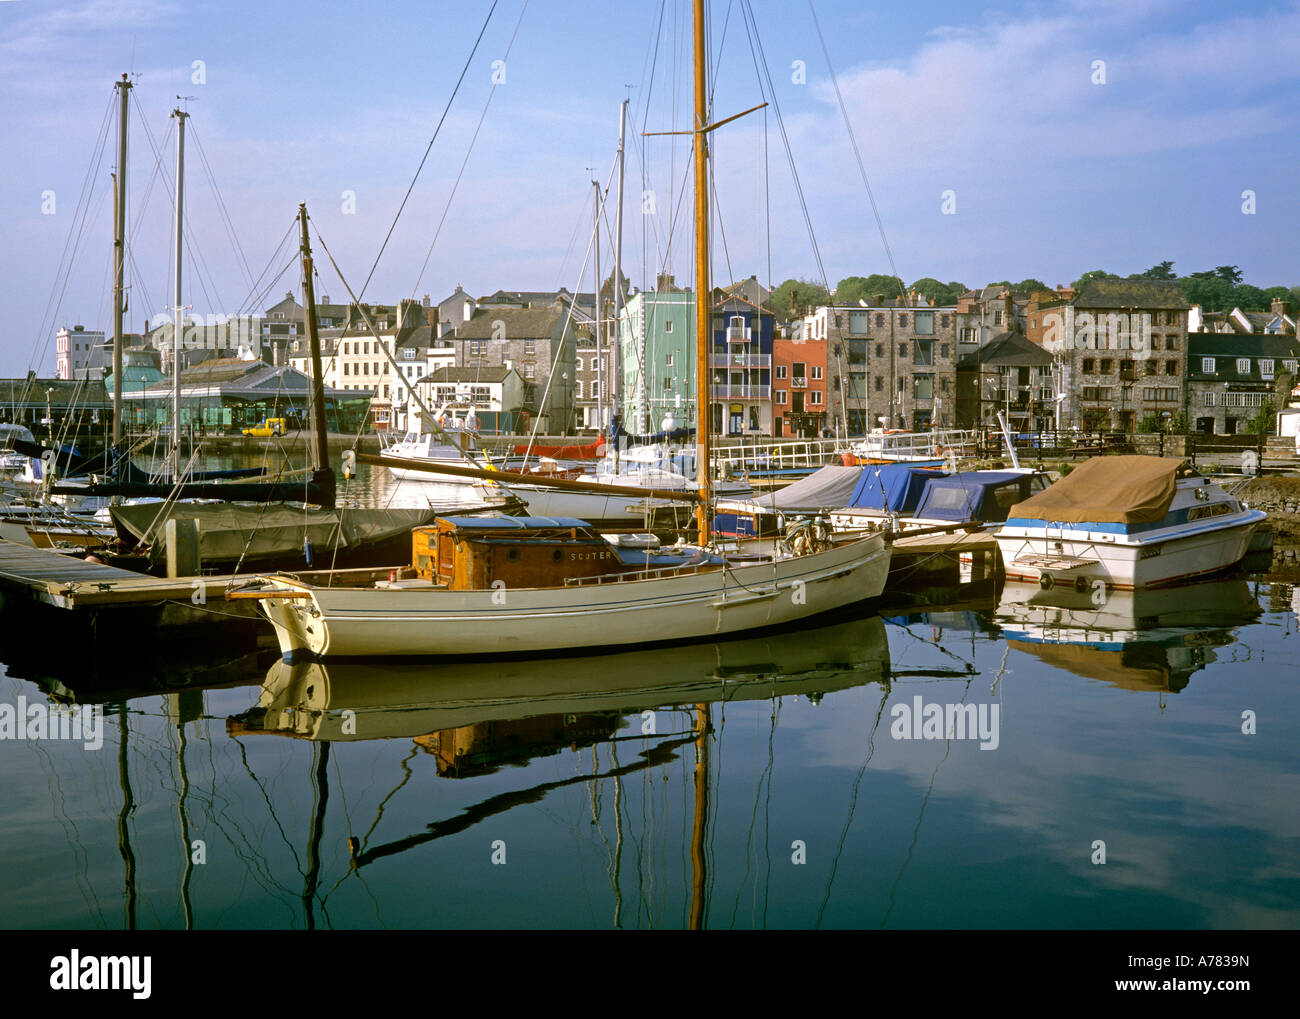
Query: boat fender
[
  {"x": 1045, "y": 581},
  {"x": 1081, "y": 584},
  {"x": 306, "y": 551}
]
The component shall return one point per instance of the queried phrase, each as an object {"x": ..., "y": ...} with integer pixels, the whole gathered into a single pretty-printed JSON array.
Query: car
[{"x": 268, "y": 427}]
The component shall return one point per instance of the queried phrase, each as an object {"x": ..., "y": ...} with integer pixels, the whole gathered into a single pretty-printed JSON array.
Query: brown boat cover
[{"x": 1108, "y": 489}]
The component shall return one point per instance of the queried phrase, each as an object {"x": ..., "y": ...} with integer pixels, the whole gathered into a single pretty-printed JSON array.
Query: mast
[
  {"x": 119, "y": 255},
  {"x": 600, "y": 353},
  {"x": 178, "y": 326},
  {"x": 322, "y": 475},
  {"x": 616, "y": 381},
  {"x": 703, "y": 316}
]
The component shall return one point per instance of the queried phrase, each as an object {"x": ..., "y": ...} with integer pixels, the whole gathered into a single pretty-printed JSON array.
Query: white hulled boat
[{"x": 1128, "y": 522}]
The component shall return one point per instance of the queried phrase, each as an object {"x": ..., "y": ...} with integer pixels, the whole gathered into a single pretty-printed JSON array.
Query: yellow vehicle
[{"x": 268, "y": 426}]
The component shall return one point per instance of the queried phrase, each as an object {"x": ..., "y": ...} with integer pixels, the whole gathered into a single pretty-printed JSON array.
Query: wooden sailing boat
[{"x": 526, "y": 585}]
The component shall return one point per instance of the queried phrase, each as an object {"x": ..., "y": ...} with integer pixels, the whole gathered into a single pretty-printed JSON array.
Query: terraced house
[
  {"x": 893, "y": 366},
  {"x": 1120, "y": 347},
  {"x": 1231, "y": 378},
  {"x": 539, "y": 343}
]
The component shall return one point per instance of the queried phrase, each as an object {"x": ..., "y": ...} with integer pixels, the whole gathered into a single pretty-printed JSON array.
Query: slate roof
[
  {"x": 1006, "y": 349},
  {"x": 520, "y": 323},
  {"x": 1161, "y": 294},
  {"x": 1226, "y": 348},
  {"x": 483, "y": 376}
]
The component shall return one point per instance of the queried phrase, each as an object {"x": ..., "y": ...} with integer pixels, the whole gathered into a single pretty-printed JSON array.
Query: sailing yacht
[{"x": 491, "y": 586}]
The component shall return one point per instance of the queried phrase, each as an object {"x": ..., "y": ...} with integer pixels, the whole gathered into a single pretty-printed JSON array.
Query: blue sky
[{"x": 1052, "y": 173}]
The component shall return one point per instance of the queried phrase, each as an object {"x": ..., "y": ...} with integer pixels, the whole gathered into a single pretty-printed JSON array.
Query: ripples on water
[{"x": 379, "y": 795}]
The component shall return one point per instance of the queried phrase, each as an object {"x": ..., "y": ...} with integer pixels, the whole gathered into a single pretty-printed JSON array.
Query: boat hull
[
  {"x": 1151, "y": 559},
  {"x": 674, "y": 605}
]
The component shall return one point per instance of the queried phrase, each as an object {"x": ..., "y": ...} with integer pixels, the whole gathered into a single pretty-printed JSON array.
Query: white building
[{"x": 81, "y": 353}]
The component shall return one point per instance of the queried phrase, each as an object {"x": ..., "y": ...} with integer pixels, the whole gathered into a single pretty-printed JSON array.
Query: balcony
[
  {"x": 742, "y": 392},
  {"x": 739, "y": 334},
  {"x": 799, "y": 382},
  {"x": 742, "y": 360}
]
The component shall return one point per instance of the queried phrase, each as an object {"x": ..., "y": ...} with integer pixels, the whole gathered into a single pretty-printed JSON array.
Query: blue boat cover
[
  {"x": 968, "y": 496},
  {"x": 893, "y": 487}
]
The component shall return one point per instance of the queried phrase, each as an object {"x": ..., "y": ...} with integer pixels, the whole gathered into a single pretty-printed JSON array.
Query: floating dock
[{"x": 43, "y": 578}]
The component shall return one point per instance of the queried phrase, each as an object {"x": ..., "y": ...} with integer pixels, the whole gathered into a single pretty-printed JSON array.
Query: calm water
[{"x": 580, "y": 792}]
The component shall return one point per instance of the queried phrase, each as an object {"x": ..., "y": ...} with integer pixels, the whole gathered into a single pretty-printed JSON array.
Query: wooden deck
[{"x": 65, "y": 582}]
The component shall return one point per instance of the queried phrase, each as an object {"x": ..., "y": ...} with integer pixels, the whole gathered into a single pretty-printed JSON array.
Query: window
[
  {"x": 880, "y": 384},
  {"x": 923, "y": 352},
  {"x": 902, "y": 321},
  {"x": 668, "y": 361},
  {"x": 943, "y": 351},
  {"x": 838, "y": 322},
  {"x": 1289, "y": 366},
  {"x": 780, "y": 397},
  {"x": 1125, "y": 393},
  {"x": 880, "y": 350},
  {"x": 1099, "y": 393},
  {"x": 1209, "y": 399},
  {"x": 943, "y": 385},
  {"x": 365, "y": 368},
  {"x": 815, "y": 371},
  {"x": 997, "y": 318},
  {"x": 1266, "y": 368},
  {"x": 668, "y": 384},
  {"x": 1171, "y": 342},
  {"x": 577, "y": 390},
  {"x": 902, "y": 351},
  {"x": 923, "y": 386},
  {"x": 477, "y": 348},
  {"x": 943, "y": 321},
  {"x": 668, "y": 327},
  {"x": 530, "y": 348},
  {"x": 815, "y": 397},
  {"x": 1089, "y": 366},
  {"x": 780, "y": 371},
  {"x": 902, "y": 384},
  {"x": 1244, "y": 399},
  {"x": 408, "y": 353},
  {"x": 530, "y": 372},
  {"x": 858, "y": 322},
  {"x": 1160, "y": 395},
  {"x": 754, "y": 423},
  {"x": 1107, "y": 366},
  {"x": 1171, "y": 367},
  {"x": 346, "y": 366},
  {"x": 1207, "y": 367},
  {"x": 925, "y": 322},
  {"x": 1243, "y": 366},
  {"x": 880, "y": 321}
]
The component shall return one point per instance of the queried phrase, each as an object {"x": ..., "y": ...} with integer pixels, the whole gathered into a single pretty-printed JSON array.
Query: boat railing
[
  {"x": 919, "y": 444},
  {"x": 648, "y": 574},
  {"x": 793, "y": 454}
]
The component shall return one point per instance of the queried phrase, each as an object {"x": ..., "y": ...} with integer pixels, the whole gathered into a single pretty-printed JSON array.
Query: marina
[{"x": 650, "y": 601}]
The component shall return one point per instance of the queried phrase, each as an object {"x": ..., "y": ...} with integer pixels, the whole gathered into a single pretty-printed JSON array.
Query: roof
[
  {"x": 1104, "y": 293},
  {"x": 1107, "y": 489},
  {"x": 520, "y": 323},
  {"x": 31, "y": 392},
  {"x": 1242, "y": 345},
  {"x": 1011, "y": 348},
  {"x": 482, "y": 376}
]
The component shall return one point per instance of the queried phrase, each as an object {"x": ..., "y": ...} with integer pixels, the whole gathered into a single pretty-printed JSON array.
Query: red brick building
[{"x": 799, "y": 396}]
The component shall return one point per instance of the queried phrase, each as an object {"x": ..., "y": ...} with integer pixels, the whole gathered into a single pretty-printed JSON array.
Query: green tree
[
  {"x": 1262, "y": 422},
  {"x": 1231, "y": 273},
  {"x": 1095, "y": 274},
  {"x": 1212, "y": 293},
  {"x": 943, "y": 294},
  {"x": 1029, "y": 286},
  {"x": 1159, "y": 271},
  {"x": 795, "y": 298},
  {"x": 1279, "y": 294},
  {"x": 1249, "y": 298}
]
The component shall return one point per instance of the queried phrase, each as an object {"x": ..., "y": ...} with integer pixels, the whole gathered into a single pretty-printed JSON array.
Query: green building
[{"x": 657, "y": 347}]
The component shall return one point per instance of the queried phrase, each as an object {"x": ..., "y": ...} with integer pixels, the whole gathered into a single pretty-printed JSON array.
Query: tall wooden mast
[
  {"x": 119, "y": 255},
  {"x": 322, "y": 475},
  {"x": 703, "y": 292}
]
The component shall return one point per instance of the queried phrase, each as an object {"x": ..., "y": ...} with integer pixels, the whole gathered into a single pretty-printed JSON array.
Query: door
[{"x": 737, "y": 420}]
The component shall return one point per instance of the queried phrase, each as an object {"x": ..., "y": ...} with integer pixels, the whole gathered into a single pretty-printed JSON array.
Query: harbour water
[{"x": 998, "y": 762}]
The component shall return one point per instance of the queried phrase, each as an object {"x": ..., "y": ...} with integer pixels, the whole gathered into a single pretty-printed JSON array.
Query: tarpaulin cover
[
  {"x": 228, "y": 531},
  {"x": 893, "y": 487},
  {"x": 828, "y": 488},
  {"x": 1107, "y": 489},
  {"x": 968, "y": 496}
]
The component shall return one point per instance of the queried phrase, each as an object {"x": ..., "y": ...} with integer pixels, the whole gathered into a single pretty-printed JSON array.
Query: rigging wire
[{"x": 429, "y": 148}]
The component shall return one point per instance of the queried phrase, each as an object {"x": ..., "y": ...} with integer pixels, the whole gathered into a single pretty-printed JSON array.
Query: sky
[{"x": 1023, "y": 140}]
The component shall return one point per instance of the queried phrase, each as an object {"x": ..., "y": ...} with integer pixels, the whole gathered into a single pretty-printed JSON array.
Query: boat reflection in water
[
  {"x": 1145, "y": 640},
  {"x": 394, "y": 699}
]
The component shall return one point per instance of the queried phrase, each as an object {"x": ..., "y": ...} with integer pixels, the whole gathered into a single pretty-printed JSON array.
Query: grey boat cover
[
  {"x": 229, "y": 531},
  {"x": 829, "y": 488}
]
